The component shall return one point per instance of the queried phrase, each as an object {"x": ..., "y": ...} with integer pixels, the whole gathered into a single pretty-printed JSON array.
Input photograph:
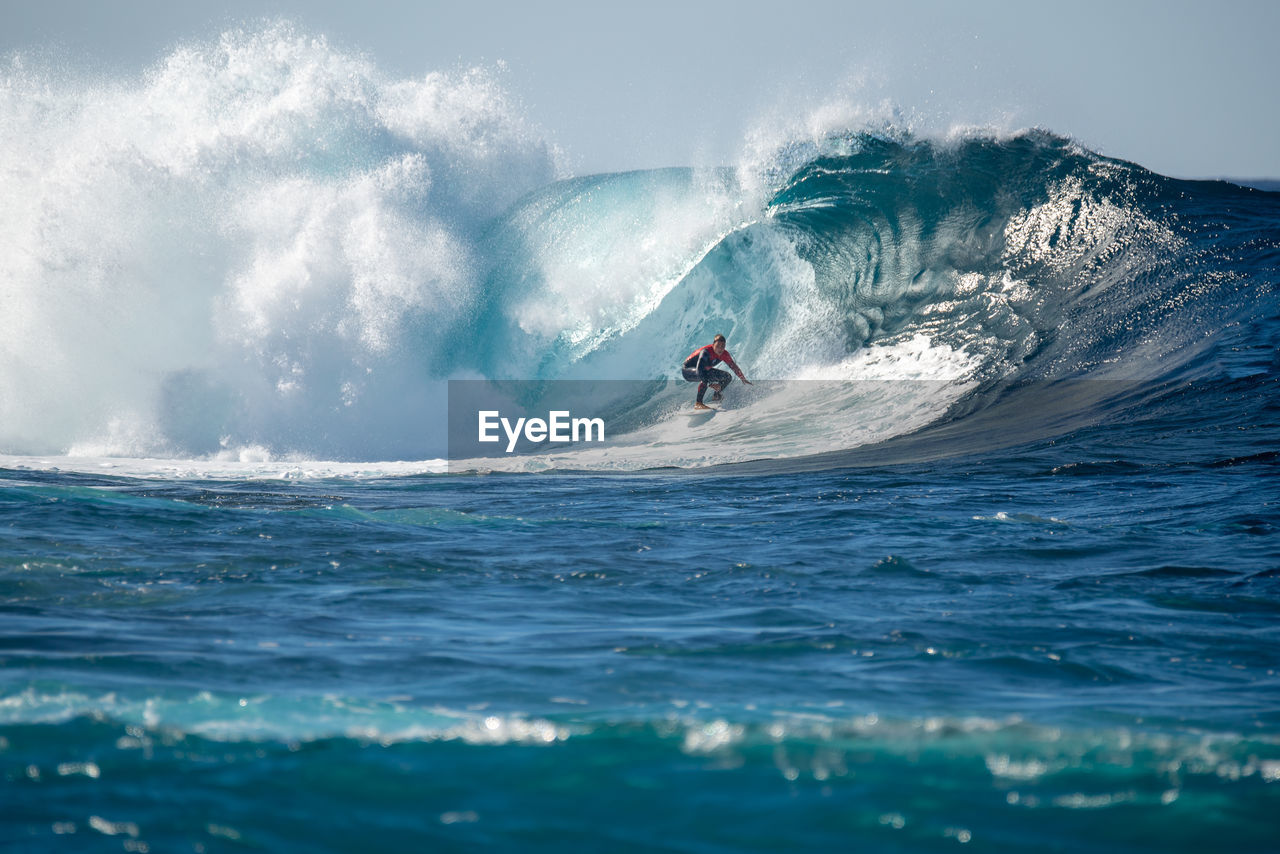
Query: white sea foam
[
  {"x": 239, "y": 465},
  {"x": 801, "y": 743},
  {"x": 244, "y": 245}
]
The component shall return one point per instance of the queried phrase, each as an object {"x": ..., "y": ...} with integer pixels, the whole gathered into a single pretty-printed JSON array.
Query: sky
[{"x": 1184, "y": 88}]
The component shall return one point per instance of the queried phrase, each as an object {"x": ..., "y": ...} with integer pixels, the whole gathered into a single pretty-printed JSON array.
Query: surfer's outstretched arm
[{"x": 728, "y": 360}]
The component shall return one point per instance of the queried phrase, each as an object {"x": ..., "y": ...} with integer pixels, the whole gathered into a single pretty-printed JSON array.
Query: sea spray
[{"x": 244, "y": 246}]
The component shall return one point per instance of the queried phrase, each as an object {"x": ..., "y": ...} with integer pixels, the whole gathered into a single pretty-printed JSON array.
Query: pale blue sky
[{"x": 1185, "y": 88}]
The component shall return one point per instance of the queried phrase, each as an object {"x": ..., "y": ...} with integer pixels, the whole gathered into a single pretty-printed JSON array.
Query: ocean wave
[{"x": 265, "y": 249}]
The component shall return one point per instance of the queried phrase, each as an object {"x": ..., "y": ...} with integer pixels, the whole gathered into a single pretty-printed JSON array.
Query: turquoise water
[{"x": 987, "y": 559}]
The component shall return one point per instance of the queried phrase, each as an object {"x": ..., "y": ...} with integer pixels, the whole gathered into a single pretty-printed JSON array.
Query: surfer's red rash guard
[{"x": 708, "y": 352}]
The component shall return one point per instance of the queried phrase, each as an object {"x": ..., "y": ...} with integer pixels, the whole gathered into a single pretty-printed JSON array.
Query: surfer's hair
[{"x": 717, "y": 339}]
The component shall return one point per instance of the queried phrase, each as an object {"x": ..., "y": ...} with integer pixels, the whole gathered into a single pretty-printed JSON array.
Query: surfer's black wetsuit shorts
[{"x": 708, "y": 375}]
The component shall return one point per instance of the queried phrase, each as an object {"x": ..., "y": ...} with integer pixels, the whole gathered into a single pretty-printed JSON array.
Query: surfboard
[{"x": 708, "y": 412}]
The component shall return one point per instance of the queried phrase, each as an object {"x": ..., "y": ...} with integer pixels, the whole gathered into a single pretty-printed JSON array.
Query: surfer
[{"x": 700, "y": 367}]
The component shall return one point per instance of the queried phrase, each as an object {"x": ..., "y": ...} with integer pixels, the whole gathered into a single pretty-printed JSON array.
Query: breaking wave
[{"x": 264, "y": 247}]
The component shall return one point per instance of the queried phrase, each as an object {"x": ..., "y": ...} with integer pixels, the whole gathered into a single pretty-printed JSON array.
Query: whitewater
[{"x": 985, "y": 556}]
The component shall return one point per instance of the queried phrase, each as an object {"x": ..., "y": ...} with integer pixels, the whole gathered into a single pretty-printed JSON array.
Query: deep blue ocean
[{"x": 989, "y": 558}]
